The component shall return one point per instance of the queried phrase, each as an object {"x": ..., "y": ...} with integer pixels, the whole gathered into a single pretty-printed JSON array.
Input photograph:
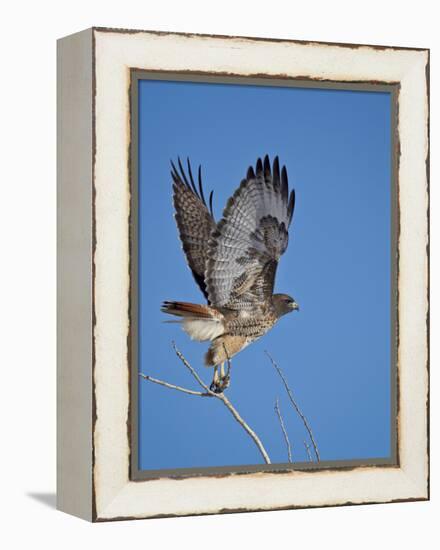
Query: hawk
[{"x": 234, "y": 261}]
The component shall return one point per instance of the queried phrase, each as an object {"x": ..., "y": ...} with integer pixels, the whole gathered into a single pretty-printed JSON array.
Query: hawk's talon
[
  {"x": 220, "y": 385},
  {"x": 225, "y": 381}
]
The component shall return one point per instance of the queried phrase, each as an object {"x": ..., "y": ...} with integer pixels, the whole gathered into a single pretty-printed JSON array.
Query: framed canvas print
[{"x": 243, "y": 301}]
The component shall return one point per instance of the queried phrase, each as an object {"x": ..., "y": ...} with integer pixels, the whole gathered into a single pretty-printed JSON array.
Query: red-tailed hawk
[{"x": 233, "y": 261}]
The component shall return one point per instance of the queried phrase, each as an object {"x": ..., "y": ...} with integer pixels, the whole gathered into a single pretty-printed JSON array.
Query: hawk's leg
[
  {"x": 215, "y": 381},
  {"x": 225, "y": 378},
  {"x": 222, "y": 381}
]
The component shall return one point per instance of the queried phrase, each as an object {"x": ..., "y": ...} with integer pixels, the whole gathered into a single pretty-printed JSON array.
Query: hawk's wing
[
  {"x": 244, "y": 249},
  {"x": 194, "y": 220}
]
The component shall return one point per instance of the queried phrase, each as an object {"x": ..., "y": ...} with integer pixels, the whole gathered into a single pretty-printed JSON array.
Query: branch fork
[{"x": 207, "y": 392}]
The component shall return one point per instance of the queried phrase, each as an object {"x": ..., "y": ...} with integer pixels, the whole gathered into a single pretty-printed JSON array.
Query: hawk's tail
[
  {"x": 185, "y": 309},
  {"x": 199, "y": 321}
]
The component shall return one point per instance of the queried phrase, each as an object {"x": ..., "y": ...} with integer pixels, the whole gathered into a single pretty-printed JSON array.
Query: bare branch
[
  {"x": 283, "y": 427},
  {"x": 191, "y": 370},
  {"x": 173, "y": 386},
  {"x": 208, "y": 393},
  {"x": 292, "y": 400},
  {"x": 244, "y": 425},
  {"x": 307, "y": 446}
]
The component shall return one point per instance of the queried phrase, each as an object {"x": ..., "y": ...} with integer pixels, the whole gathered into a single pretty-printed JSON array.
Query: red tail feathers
[{"x": 186, "y": 309}]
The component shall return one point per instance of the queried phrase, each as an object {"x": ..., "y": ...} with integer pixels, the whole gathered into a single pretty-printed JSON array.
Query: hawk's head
[{"x": 283, "y": 303}]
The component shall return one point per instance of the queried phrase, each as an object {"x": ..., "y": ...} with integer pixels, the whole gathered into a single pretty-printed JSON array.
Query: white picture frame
[{"x": 94, "y": 217}]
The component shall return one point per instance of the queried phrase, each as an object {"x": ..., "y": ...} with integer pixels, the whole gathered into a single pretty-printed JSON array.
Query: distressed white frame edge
[
  {"x": 115, "y": 496},
  {"x": 74, "y": 274}
]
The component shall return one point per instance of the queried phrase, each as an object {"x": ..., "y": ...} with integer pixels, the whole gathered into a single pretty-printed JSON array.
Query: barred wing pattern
[
  {"x": 195, "y": 220},
  {"x": 244, "y": 249}
]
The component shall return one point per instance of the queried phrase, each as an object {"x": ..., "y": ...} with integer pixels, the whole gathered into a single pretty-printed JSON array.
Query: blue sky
[{"x": 335, "y": 351}]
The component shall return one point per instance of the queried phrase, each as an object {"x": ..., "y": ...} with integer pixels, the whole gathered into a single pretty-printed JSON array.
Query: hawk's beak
[{"x": 295, "y": 306}]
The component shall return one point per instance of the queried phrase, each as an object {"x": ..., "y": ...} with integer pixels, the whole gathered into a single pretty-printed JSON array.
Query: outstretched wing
[
  {"x": 195, "y": 221},
  {"x": 244, "y": 249}
]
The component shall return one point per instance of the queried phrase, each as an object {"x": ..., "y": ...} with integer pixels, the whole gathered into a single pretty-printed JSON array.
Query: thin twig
[
  {"x": 191, "y": 370},
  {"x": 208, "y": 393},
  {"x": 292, "y": 400},
  {"x": 173, "y": 386},
  {"x": 244, "y": 425},
  {"x": 283, "y": 427},
  {"x": 307, "y": 446}
]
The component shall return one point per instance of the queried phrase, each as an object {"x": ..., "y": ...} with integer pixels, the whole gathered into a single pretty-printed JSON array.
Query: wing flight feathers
[
  {"x": 194, "y": 218},
  {"x": 245, "y": 247}
]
